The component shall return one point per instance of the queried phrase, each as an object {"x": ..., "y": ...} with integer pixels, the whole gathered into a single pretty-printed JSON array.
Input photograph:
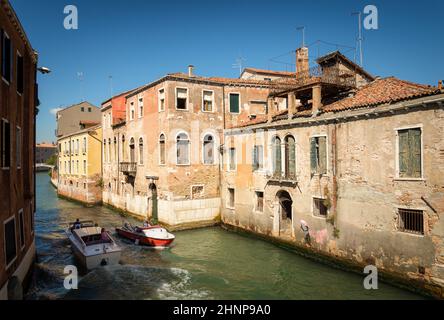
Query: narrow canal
[{"x": 203, "y": 264}]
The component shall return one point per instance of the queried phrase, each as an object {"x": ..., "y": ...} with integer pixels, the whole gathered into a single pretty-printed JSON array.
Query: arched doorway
[
  {"x": 152, "y": 203},
  {"x": 285, "y": 204}
]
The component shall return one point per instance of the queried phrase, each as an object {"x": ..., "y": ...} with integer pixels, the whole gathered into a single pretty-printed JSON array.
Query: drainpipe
[{"x": 334, "y": 167}]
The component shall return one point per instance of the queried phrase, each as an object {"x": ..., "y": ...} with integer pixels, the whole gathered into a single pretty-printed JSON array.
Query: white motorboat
[{"x": 92, "y": 246}]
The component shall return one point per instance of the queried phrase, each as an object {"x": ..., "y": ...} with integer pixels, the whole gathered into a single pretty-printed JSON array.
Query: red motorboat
[{"x": 154, "y": 236}]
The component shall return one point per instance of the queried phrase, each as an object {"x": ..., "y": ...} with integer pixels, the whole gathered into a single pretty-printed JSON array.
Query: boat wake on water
[{"x": 136, "y": 282}]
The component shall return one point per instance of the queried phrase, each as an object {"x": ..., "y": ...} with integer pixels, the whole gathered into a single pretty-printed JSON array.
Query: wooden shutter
[
  {"x": 403, "y": 137},
  {"x": 322, "y": 155},
  {"x": 313, "y": 156},
  {"x": 415, "y": 152},
  {"x": 291, "y": 166},
  {"x": 255, "y": 158},
  {"x": 277, "y": 157},
  {"x": 234, "y": 103}
]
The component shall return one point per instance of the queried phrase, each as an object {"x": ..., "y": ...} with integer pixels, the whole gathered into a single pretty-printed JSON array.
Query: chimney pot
[
  {"x": 302, "y": 61},
  {"x": 190, "y": 70}
]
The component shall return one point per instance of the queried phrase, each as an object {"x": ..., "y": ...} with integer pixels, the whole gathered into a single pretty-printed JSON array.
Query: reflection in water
[{"x": 202, "y": 264}]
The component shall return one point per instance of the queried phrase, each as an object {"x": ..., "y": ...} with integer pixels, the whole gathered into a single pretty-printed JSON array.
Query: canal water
[{"x": 207, "y": 263}]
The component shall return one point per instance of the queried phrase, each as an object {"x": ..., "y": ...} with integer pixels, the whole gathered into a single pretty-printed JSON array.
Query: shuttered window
[
  {"x": 6, "y": 57},
  {"x": 318, "y": 155},
  {"x": 181, "y": 98},
  {"x": 234, "y": 102},
  {"x": 10, "y": 241},
  {"x": 277, "y": 156},
  {"x": 410, "y": 153},
  {"x": 162, "y": 149},
  {"x": 161, "y": 99},
  {"x": 232, "y": 160},
  {"x": 290, "y": 157},
  {"x": 208, "y": 101},
  {"x": 258, "y": 156},
  {"x": 183, "y": 148},
  {"x": 5, "y": 144}
]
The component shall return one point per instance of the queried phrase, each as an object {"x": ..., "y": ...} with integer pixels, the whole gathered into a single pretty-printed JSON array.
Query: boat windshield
[{"x": 95, "y": 239}]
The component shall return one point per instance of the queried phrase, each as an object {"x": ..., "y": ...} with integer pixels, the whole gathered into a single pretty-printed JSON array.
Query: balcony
[
  {"x": 282, "y": 178},
  {"x": 128, "y": 168}
]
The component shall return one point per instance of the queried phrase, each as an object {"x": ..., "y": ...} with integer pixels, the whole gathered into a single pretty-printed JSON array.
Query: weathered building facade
[
  {"x": 167, "y": 151},
  {"x": 80, "y": 166},
  {"x": 78, "y": 116},
  {"x": 44, "y": 151},
  {"x": 18, "y": 102},
  {"x": 356, "y": 178}
]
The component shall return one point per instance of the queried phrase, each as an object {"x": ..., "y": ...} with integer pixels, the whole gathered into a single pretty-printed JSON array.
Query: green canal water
[{"x": 207, "y": 263}]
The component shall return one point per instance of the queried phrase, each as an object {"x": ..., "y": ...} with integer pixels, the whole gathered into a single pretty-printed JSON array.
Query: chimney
[
  {"x": 292, "y": 107},
  {"x": 270, "y": 109},
  {"x": 190, "y": 70},
  {"x": 316, "y": 99},
  {"x": 440, "y": 84},
  {"x": 302, "y": 62}
]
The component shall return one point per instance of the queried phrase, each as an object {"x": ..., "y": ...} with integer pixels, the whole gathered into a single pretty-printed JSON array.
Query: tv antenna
[
  {"x": 239, "y": 64},
  {"x": 80, "y": 77},
  {"x": 359, "y": 35},
  {"x": 302, "y": 28}
]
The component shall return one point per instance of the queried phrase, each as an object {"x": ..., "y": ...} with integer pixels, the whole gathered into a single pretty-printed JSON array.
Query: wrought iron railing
[
  {"x": 330, "y": 75},
  {"x": 282, "y": 177},
  {"x": 128, "y": 167}
]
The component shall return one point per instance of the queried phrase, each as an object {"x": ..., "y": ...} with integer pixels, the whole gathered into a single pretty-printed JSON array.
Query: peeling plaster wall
[{"x": 369, "y": 194}]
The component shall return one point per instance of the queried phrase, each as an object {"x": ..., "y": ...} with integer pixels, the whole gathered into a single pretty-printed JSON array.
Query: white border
[
  {"x": 312, "y": 208},
  {"x": 196, "y": 185},
  {"x": 19, "y": 164},
  {"x": 175, "y": 100},
  {"x": 143, "y": 151},
  {"x": 15, "y": 239},
  {"x": 1, "y": 151},
  {"x": 255, "y": 201},
  {"x": 189, "y": 148},
  {"x": 12, "y": 65},
  {"x": 213, "y": 106},
  {"x": 203, "y": 149},
  {"x": 229, "y": 103},
  {"x": 164, "y": 100},
  {"x": 327, "y": 150},
  {"x": 165, "y": 143}
]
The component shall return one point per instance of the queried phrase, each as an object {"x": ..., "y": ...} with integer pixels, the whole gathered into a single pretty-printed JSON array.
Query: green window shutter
[
  {"x": 234, "y": 103},
  {"x": 313, "y": 157},
  {"x": 277, "y": 163},
  {"x": 403, "y": 137},
  {"x": 322, "y": 155},
  {"x": 415, "y": 152},
  {"x": 291, "y": 157}
]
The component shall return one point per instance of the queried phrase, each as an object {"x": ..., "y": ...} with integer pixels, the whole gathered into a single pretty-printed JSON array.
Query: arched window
[
  {"x": 208, "y": 149},
  {"x": 290, "y": 157},
  {"x": 132, "y": 151},
  {"x": 104, "y": 150},
  {"x": 140, "y": 151},
  {"x": 183, "y": 148},
  {"x": 276, "y": 156},
  {"x": 109, "y": 150},
  {"x": 123, "y": 149},
  {"x": 162, "y": 157}
]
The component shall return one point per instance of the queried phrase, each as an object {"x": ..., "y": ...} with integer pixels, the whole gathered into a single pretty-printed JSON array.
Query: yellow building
[{"x": 80, "y": 165}]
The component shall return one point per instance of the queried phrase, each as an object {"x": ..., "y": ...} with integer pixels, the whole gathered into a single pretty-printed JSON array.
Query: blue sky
[{"x": 137, "y": 41}]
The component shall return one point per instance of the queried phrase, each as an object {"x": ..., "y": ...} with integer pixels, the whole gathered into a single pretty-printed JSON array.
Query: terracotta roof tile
[
  {"x": 271, "y": 72},
  {"x": 381, "y": 91}
]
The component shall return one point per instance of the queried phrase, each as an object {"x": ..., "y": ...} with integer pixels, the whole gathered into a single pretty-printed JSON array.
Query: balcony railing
[
  {"x": 282, "y": 177},
  {"x": 129, "y": 168}
]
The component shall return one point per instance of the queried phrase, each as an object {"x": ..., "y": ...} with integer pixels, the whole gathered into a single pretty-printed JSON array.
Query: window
[
  {"x": 77, "y": 167},
  {"x": 258, "y": 157},
  {"x": 230, "y": 203},
  {"x": 207, "y": 104},
  {"x": 208, "y": 149},
  {"x": 318, "y": 155},
  {"x": 104, "y": 150},
  {"x": 6, "y": 144},
  {"x": 234, "y": 102},
  {"x": 132, "y": 150},
  {"x": 20, "y": 74},
  {"x": 84, "y": 166},
  {"x": 181, "y": 98},
  {"x": 115, "y": 149},
  {"x": 140, "y": 107},
  {"x": 319, "y": 207},
  {"x": 411, "y": 221},
  {"x": 162, "y": 149},
  {"x": 84, "y": 145},
  {"x": 123, "y": 148},
  {"x": 259, "y": 201},
  {"x": 161, "y": 99},
  {"x": 89, "y": 109},
  {"x": 22, "y": 229},
  {"x": 10, "y": 241},
  {"x": 182, "y": 147},
  {"x": 77, "y": 146},
  {"x": 109, "y": 150},
  {"x": 140, "y": 151},
  {"x": 410, "y": 153},
  {"x": 276, "y": 156},
  {"x": 197, "y": 192},
  {"x": 290, "y": 157},
  {"x": 18, "y": 147},
  {"x": 82, "y": 109},
  {"x": 232, "y": 159},
  {"x": 6, "y": 57},
  {"x": 132, "y": 111}
]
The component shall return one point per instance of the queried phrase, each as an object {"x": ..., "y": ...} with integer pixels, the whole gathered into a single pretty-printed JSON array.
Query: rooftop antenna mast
[
  {"x": 239, "y": 64},
  {"x": 80, "y": 77},
  {"x": 359, "y": 35},
  {"x": 302, "y": 28}
]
